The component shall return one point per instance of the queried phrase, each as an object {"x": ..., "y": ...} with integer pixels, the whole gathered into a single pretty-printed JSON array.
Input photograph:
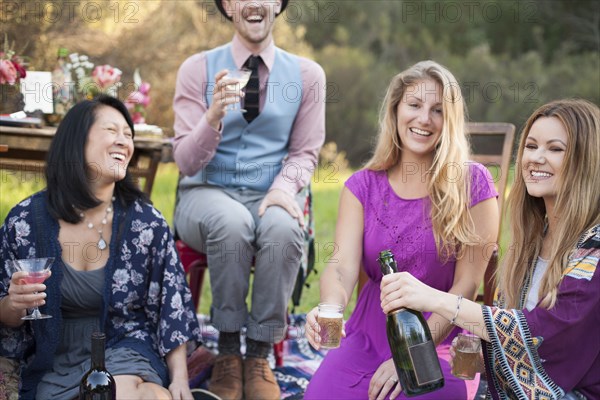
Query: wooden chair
[
  {"x": 195, "y": 264},
  {"x": 491, "y": 145}
]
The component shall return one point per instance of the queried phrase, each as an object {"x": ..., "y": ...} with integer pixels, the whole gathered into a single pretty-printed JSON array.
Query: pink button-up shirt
[{"x": 196, "y": 141}]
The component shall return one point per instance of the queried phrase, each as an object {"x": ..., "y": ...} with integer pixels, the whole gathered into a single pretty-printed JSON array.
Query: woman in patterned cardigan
[
  {"x": 540, "y": 340},
  {"x": 115, "y": 269}
]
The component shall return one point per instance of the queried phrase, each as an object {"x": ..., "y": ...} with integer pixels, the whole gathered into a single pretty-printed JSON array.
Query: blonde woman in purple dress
[
  {"x": 420, "y": 197},
  {"x": 541, "y": 338}
]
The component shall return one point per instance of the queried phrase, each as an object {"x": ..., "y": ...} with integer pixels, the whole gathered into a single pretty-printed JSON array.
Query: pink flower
[
  {"x": 138, "y": 118},
  {"x": 144, "y": 88},
  {"x": 20, "y": 69},
  {"x": 8, "y": 73},
  {"x": 138, "y": 98},
  {"x": 106, "y": 76}
]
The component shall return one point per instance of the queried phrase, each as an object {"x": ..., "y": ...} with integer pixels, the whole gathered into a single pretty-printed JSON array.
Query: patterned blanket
[{"x": 300, "y": 360}]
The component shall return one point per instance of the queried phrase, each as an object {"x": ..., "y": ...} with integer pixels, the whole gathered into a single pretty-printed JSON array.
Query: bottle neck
[
  {"x": 388, "y": 266},
  {"x": 387, "y": 263},
  {"x": 97, "y": 353}
]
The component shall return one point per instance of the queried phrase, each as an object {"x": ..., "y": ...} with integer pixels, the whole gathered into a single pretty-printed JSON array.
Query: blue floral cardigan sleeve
[{"x": 147, "y": 302}]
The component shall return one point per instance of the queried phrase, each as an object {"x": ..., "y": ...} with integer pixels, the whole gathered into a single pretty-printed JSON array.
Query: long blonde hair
[
  {"x": 577, "y": 205},
  {"x": 451, "y": 222}
]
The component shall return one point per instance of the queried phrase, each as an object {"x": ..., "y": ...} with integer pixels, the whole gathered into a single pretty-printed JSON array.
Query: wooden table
[{"x": 27, "y": 148}]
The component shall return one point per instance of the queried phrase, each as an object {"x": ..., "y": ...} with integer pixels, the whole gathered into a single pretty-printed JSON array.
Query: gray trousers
[{"x": 224, "y": 224}]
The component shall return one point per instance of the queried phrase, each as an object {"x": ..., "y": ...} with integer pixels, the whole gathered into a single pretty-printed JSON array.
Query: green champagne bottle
[{"x": 412, "y": 347}]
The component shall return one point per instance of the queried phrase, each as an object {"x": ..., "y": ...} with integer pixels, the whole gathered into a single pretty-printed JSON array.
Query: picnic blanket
[{"x": 300, "y": 360}]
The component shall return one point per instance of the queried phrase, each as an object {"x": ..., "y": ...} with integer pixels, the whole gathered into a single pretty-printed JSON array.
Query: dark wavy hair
[{"x": 68, "y": 188}]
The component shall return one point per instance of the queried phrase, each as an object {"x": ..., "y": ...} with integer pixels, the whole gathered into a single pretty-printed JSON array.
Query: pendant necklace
[{"x": 101, "y": 244}]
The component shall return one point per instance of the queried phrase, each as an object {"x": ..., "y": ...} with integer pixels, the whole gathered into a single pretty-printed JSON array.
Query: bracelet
[{"x": 458, "y": 300}]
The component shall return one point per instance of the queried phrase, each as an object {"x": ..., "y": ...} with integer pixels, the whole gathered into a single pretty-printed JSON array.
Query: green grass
[
  {"x": 15, "y": 186},
  {"x": 327, "y": 185}
]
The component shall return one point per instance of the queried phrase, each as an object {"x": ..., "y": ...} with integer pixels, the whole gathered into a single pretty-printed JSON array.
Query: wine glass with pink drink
[{"x": 37, "y": 270}]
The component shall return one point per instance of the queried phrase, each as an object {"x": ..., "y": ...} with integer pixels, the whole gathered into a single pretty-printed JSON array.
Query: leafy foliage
[{"x": 510, "y": 56}]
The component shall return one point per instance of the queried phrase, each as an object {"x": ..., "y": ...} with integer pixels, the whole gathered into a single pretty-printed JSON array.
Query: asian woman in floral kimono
[
  {"x": 541, "y": 338},
  {"x": 115, "y": 270}
]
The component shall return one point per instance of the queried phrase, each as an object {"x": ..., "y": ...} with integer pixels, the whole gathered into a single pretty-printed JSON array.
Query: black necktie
[{"x": 251, "y": 99}]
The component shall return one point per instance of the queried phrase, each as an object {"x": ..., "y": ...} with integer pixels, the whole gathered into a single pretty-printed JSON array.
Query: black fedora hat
[{"x": 219, "y": 4}]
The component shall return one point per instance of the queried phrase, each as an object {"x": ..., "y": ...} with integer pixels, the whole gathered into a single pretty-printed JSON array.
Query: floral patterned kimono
[
  {"x": 147, "y": 304},
  {"x": 545, "y": 354}
]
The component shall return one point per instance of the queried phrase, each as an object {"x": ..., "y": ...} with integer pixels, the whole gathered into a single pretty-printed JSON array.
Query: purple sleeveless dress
[{"x": 404, "y": 226}]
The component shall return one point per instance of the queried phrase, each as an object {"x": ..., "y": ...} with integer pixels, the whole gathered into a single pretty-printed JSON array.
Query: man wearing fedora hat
[{"x": 241, "y": 197}]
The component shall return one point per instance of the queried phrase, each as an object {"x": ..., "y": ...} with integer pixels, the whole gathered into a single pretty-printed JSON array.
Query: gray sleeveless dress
[{"x": 81, "y": 304}]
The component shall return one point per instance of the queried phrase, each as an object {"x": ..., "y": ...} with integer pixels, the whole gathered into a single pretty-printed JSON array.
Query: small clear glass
[
  {"x": 242, "y": 76},
  {"x": 331, "y": 321},
  {"x": 466, "y": 361}
]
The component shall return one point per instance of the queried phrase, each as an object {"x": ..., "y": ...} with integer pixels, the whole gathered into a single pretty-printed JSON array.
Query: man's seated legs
[
  {"x": 224, "y": 224},
  {"x": 279, "y": 241},
  {"x": 210, "y": 221}
]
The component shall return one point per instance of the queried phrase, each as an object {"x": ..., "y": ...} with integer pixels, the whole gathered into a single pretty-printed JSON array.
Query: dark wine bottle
[
  {"x": 97, "y": 383},
  {"x": 412, "y": 347}
]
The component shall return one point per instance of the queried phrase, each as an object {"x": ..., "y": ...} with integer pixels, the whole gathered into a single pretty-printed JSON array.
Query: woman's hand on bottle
[
  {"x": 313, "y": 329},
  {"x": 384, "y": 381},
  {"x": 404, "y": 290}
]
